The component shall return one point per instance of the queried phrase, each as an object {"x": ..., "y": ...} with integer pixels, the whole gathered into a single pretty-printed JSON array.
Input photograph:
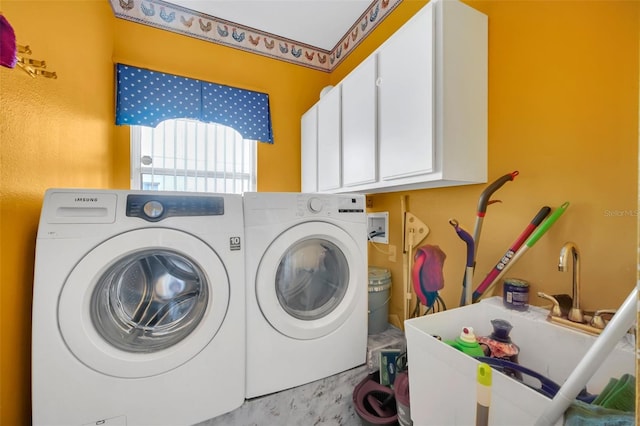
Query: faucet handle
[
  {"x": 565, "y": 301},
  {"x": 555, "y": 310},
  {"x": 597, "y": 321}
]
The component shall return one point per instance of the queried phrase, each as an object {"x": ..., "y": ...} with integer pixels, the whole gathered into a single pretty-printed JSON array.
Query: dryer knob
[
  {"x": 315, "y": 205},
  {"x": 153, "y": 209}
]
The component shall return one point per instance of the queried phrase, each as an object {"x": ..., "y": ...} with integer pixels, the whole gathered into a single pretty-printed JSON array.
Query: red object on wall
[{"x": 8, "y": 56}]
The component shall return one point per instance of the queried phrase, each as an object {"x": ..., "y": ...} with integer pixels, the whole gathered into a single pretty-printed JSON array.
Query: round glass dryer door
[
  {"x": 309, "y": 279},
  {"x": 312, "y": 279},
  {"x": 143, "y": 302}
]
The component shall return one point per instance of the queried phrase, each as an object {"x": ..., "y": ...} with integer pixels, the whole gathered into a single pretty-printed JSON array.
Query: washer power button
[{"x": 153, "y": 209}]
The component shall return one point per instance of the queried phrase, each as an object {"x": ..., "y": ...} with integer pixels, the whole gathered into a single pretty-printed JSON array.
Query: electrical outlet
[
  {"x": 378, "y": 227},
  {"x": 369, "y": 201}
]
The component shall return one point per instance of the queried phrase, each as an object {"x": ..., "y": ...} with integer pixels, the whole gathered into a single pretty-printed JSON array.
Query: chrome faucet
[{"x": 575, "y": 314}]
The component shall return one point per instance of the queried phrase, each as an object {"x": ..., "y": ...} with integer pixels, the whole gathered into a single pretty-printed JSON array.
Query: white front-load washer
[
  {"x": 306, "y": 271},
  {"x": 138, "y": 308}
]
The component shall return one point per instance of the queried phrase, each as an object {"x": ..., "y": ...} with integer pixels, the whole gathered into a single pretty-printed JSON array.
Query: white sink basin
[{"x": 442, "y": 380}]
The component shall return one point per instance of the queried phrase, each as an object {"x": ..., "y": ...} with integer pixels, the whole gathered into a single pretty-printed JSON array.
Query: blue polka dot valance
[{"x": 146, "y": 98}]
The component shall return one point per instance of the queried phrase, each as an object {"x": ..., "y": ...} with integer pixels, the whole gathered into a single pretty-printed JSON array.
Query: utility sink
[{"x": 442, "y": 380}]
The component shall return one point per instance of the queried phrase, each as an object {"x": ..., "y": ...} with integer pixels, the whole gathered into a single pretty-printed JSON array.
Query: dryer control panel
[
  {"x": 153, "y": 208},
  {"x": 330, "y": 204},
  {"x": 351, "y": 204}
]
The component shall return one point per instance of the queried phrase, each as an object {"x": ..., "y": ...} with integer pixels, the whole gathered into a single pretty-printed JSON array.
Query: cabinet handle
[{"x": 378, "y": 81}]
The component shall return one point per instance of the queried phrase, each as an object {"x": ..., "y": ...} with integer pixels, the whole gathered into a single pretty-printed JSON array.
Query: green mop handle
[
  {"x": 535, "y": 236},
  {"x": 544, "y": 226}
]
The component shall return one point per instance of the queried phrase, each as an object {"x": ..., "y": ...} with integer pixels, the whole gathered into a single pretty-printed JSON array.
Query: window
[
  {"x": 188, "y": 155},
  {"x": 191, "y": 135}
]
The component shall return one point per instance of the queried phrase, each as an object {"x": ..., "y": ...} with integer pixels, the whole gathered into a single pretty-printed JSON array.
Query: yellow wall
[
  {"x": 52, "y": 133},
  {"x": 638, "y": 275},
  {"x": 563, "y": 111}
]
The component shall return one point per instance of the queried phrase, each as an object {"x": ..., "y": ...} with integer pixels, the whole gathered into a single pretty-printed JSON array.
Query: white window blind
[{"x": 187, "y": 155}]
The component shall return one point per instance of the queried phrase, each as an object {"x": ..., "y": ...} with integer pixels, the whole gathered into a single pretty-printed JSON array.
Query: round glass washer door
[
  {"x": 143, "y": 302},
  {"x": 308, "y": 280}
]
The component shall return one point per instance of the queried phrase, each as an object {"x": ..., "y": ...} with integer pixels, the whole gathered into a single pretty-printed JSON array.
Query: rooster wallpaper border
[{"x": 174, "y": 18}]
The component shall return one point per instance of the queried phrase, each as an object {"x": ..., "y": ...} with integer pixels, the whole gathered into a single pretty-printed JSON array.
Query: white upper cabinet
[
  {"x": 309, "y": 150},
  {"x": 406, "y": 97},
  {"x": 414, "y": 113},
  {"x": 329, "y": 141},
  {"x": 359, "y": 148}
]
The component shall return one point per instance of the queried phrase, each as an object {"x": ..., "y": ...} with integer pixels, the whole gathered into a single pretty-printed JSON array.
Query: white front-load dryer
[
  {"x": 306, "y": 271},
  {"x": 138, "y": 308}
]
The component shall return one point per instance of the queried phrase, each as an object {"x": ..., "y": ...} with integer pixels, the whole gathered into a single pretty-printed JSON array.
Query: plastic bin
[
  {"x": 379, "y": 295},
  {"x": 442, "y": 380}
]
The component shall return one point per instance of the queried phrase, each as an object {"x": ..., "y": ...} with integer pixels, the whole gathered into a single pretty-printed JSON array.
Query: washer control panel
[{"x": 153, "y": 208}]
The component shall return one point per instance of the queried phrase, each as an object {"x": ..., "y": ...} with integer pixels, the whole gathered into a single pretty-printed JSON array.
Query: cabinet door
[
  {"x": 329, "y": 133},
  {"x": 309, "y": 151},
  {"x": 406, "y": 99},
  {"x": 359, "y": 149}
]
